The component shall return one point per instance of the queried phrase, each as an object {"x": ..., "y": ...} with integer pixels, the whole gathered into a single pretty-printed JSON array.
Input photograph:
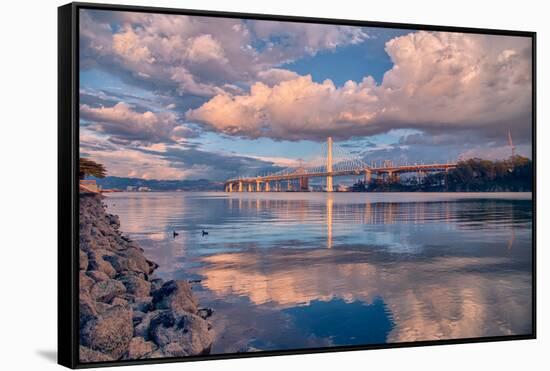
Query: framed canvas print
[{"x": 237, "y": 185}]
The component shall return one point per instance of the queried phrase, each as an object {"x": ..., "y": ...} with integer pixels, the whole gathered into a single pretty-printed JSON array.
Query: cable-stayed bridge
[{"x": 332, "y": 161}]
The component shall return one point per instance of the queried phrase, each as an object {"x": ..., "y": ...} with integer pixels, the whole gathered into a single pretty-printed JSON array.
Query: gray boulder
[
  {"x": 136, "y": 261},
  {"x": 189, "y": 332},
  {"x": 119, "y": 301},
  {"x": 174, "y": 350},
  {"x": 137, "y": 316},
  {"x": 140, "y": 348},
  {"x": 142, "y": 329},
  {"x": 156, "y": 283},
  {"x": 118, "y": 262},
  {"x": 98, "y": 276},
  {"x": 105, "y": 291},
  {"x": 135, "y": 285},
  {"x": 177, "y": 296},
  {"x": 143, "y": 304},
  {"x": 88, "y": 355},
  {"x": 86, "y": 308},
  {"x": 110, "y": 333},
  {"x": 113, "y": 220},
  {"x": 102, "y": 307},
  {"x": 97, "y": 262},
  {"x": 85, "y": 282},
  {"x": 157, "y": 354}
]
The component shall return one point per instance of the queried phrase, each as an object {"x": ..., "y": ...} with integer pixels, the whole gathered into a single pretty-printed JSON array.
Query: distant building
[
  {"x": 144, "y": 189},
  {"x": 342, "y": 188},
  {"x": 131, "y": 188}
]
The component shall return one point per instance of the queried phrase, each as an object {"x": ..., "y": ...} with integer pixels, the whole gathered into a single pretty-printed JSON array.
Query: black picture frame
[{"x": 68, "y": 200}]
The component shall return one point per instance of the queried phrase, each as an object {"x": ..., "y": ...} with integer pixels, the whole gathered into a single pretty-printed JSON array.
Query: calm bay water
[{"x": 297, "y": 270}]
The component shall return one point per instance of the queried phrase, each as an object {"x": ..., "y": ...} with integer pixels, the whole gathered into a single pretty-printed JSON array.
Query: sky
[{"x": 180, "y": 97}]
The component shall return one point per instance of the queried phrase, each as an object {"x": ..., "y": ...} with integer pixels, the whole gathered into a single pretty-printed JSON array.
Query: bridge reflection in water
[
  {"x": 332, "y": 162},
  {"x": 298, "y": 212}
]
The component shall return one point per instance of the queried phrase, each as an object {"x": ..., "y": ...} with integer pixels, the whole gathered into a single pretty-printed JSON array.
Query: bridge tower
[
  {"x": 513, "y": 148},
  {"x": 511, "y": 144},
  {"x": 329, "y": 164}
]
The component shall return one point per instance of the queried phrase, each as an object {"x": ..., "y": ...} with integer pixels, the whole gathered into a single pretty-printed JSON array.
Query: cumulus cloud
[
  {"x": 199, "y": 55},
  {"x": 123, "y": 124},
  {"x": 127, "y": 45},
  {"x": 438, "y": 81},
  {"x": 205, "y": 48}
]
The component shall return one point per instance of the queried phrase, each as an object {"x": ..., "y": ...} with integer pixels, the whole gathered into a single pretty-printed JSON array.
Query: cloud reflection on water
[
  {"x": 455, "y": 268},
  {"x": 438, "y": 299}
]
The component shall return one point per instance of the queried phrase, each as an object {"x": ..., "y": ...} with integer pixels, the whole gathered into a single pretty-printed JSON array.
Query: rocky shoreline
[{"x": 125, "y": 311}]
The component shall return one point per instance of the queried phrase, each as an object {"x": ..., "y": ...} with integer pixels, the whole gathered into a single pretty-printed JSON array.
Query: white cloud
[
  {"x": 200, "y": 55},
  {"x": 204, "y": 48},
  {"x": 127, "y": 45},
  {"x": 122, "y": 122},
  {"x": 438, "y": 80}
]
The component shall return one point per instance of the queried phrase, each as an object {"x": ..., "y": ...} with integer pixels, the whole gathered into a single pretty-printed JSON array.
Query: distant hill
[{"x": 114, "y": 182}]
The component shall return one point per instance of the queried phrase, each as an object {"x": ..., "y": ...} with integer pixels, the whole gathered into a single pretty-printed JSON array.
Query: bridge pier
[
  {"x": 304, "y": 184},
  {"x": 368, "y": 176},
  {"x": 258, "y": 186},
  {"x": 240, "y": 186},
  {"x": 421, "y": 175},
  {"x": 249, "y": 187},
  {"x": 267, "y": 187}
]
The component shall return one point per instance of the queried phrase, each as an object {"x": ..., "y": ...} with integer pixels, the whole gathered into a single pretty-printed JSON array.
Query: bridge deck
[{"x": 379, "y": 170}]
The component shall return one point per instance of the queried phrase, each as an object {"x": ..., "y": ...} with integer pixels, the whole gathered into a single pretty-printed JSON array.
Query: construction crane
[{"x": 513, "y": 148}]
